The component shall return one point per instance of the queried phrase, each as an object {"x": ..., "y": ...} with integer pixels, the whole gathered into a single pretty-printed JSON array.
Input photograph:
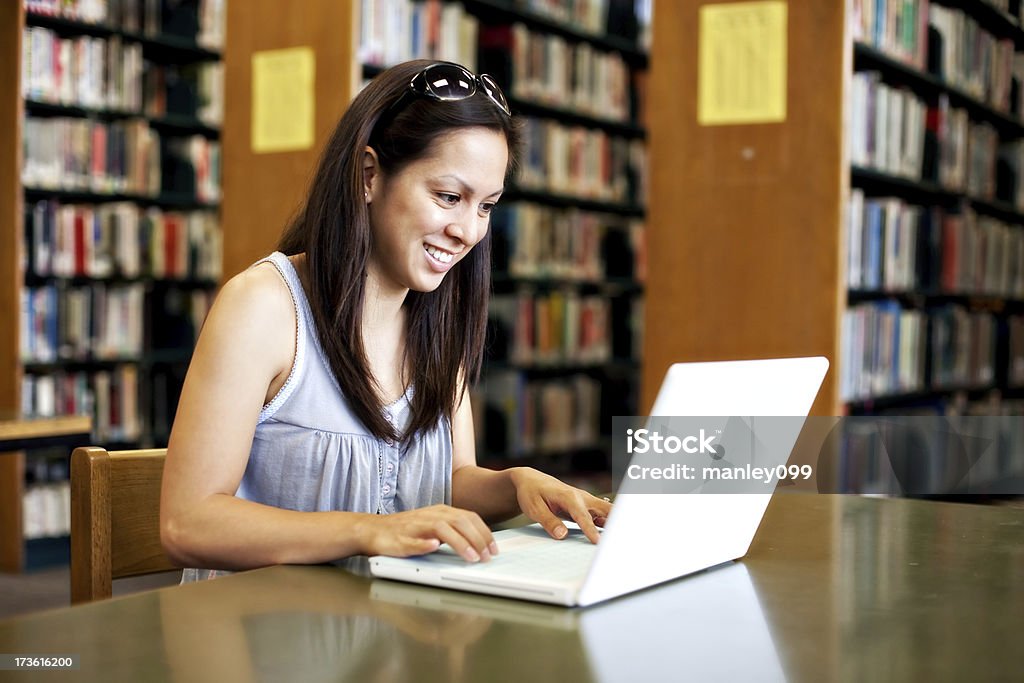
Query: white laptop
[{"x": 649, "y": 538}]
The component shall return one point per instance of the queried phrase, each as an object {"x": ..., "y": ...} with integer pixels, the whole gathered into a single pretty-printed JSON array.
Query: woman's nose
[{"x": 468, "y": 228}]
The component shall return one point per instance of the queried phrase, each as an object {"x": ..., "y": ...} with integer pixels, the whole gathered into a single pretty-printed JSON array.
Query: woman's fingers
[
  {"x": 599, "y": 509},
  {"x": 463, "y": 530},
  {"x": 588, "y": 511},
  {"x": 471, "y": 528},
  {"x": 580, "y": 514},
  {"x": 465, "y": 539},
  {"x": 417, "y": 546},
  {"x": 537, "y": 509}
]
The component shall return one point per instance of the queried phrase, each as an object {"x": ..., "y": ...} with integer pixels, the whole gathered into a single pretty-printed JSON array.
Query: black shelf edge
[
  {"x": 43, "y": 108},
  {"x": 507, "y": 12},
  {"x": 618, "y": 285},
  {"x": 68, "y": 365},
  {"x": 179, "y": 124},
  {"x": 34, "y": 280},
  {"x": 880, "y": 182},
  {"x": 916, "y": 398},
  {"x": 156, "y": 357},
  {"x": 997, "y": 209},
  {"x": 533, "y": 109},
  {"x": 164, "y": 200},
  {"x": 167, "y": 357},
  {"x": 567, "y": 201},
  {"x": 64, "y": 442},
  {"x": 918, "y": 299},
  {"x": 868, "y": 58},
  {"x": 171, "y": 47},
  {"x": 559, "y": 368},
  {"x": 65, "y": 26},
  {"x": 929, "y": 190},
  {"x": 166, "y": 45},
  {"x": 174, "y": 124},
  {"x": 502, "y": 460}
]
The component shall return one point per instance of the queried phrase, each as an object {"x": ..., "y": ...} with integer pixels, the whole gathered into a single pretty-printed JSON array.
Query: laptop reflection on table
[{"x": 710, "y": 626}]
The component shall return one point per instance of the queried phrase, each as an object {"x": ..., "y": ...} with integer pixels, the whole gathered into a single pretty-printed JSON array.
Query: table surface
[{"x": 833, "y": 588}]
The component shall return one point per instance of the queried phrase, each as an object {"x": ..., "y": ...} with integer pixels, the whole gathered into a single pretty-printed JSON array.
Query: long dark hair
[{"x": 446, "y": 327}]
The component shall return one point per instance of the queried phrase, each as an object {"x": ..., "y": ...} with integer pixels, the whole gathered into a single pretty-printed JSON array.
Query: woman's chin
[{"x": 428, "y": 283}]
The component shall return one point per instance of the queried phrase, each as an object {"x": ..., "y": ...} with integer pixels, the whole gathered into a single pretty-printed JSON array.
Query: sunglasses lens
[
  {"x": 494, "y": 92},
  {"x": 446, "y": 82}
]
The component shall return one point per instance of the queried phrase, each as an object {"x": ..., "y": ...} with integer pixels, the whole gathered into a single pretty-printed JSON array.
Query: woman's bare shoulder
[
  {"x": 259, "y": 292},
  {"x": 255, "y": 309}
]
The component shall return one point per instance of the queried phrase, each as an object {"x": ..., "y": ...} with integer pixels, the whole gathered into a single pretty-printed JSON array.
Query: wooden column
[
  {"x": 12, "y": 466},
  {"x": 262, "y": 191},
  {"x": 744, "y": 227}
]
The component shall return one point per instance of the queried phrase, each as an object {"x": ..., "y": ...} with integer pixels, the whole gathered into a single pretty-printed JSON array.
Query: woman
[{"x": 326, "y": 412}]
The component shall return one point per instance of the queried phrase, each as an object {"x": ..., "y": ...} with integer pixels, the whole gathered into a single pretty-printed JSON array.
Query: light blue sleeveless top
[{"x": 311, "y": 453}]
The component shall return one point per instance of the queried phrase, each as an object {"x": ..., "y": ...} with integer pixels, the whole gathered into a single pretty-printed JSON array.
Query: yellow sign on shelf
[
  {"x": 283, "y": 100},
  {"x": 742, "y": 63}
]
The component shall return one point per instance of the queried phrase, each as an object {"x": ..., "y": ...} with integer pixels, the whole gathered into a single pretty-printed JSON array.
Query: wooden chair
[{"x": 115, "y": 519}]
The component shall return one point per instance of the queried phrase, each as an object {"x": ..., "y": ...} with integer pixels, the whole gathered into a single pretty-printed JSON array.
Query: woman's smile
[{"x": 441, "y": 259}]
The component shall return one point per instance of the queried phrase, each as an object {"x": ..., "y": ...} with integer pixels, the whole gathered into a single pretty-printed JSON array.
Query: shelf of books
[
  {"x": 566, "y": 315},
  {"x": 876, "y": 220},
  {"x": 120, "y": 241},
  {"x": 935, "y": 216}
]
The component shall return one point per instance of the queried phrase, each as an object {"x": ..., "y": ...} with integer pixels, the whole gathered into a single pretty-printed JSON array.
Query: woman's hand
[
  {"x": 422, "y": 531},
  {"x": 545, "y": 499}
]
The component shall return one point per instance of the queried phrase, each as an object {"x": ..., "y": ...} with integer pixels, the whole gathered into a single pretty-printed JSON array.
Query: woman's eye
[
  {"x": 487, "y": 207},
  {"x": 449, "y": 198}
]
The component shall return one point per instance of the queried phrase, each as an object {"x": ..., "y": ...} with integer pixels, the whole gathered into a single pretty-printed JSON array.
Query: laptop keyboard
[
  {"x": 541, "y": 557},
  {"x": 534, "y": 556}
]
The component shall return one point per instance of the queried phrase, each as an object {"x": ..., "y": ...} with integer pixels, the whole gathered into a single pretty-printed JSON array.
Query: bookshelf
[
  {"x": 880, "y": 224},
  {"x": 110, "y": 183}
]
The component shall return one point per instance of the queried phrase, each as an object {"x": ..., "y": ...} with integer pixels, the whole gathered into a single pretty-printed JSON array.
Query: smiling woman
[
  {"x": 326, "y": 411},
  {"x": 428, "y": 216}
]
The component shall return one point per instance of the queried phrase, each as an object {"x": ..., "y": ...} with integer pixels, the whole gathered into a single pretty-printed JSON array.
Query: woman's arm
[
  {"x": 246, "y": 343},
  {"x": 499, "y": 495}
]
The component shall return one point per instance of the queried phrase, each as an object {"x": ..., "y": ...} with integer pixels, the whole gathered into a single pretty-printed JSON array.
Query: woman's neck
[
  {"x": 382, "y": 306},
  {"x": 383, "y": 332}
]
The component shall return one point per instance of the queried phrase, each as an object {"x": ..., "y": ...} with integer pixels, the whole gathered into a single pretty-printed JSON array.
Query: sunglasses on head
[{"x": 449, "y": 82}]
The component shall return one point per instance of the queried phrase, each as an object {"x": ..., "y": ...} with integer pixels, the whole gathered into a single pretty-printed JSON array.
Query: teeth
[{"x": 442, "y": 256}]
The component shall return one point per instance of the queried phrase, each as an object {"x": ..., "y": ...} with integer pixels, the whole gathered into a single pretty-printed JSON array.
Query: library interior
[{"x": 697, "y": 182}]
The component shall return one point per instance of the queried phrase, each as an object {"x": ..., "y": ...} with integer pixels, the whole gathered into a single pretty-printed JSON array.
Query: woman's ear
[{"x": 371, "y": 173}]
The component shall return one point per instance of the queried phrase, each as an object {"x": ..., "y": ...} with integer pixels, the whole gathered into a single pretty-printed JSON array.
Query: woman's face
[{"x": 426, "y": 217}]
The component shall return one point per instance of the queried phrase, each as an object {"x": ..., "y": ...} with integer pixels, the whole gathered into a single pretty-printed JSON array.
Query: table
[
  {"x": 834, "y": 588},
  {"x": 18, "y": 433}
]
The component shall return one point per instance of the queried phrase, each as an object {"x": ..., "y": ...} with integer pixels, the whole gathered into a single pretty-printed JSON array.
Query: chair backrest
[{"x": 115, "y": 518}]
